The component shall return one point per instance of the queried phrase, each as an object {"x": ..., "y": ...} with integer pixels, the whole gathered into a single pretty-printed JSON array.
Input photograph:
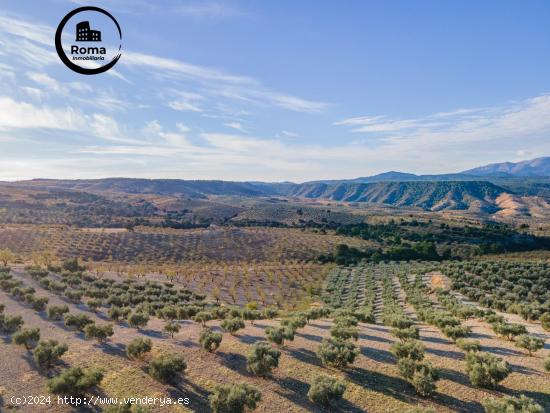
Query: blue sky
[{"x": 258, "y": 90}]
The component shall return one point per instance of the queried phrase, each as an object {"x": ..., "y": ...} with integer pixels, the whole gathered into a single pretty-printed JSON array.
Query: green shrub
[
  {"x": 530, "y": 343},
  {"x": 47, "y": 353},
  {"x": 39, "y": 303},
  {"x": 27, "y": 337},
  {"x": 547, "y": 364},
  {"x": 424, "y": 378},
  {"x": 337, "y": 353},
  {"x": 78, "y": 321},
  {"x": 275, "y": 335},
  {"x": 171, "y": 328},
  {"x": 422, "y": 375},
  {"x": 202, "y": 317},
  {"x": 509, "y": 404},
  {"x": 138, "y": 347},
  {"x": 262, "y": 358},
  {"x": 270, "y": 313},
  {"x": 468, "y": 345},
  {"x": 400, "y": 322},
  {"x": 56, "y": 312},
  {"x": 412, "y": 349},
  {"x": 232, "y": 325},
  {"x": 74, "y": 295},
  {"x": 251, "y": 315},
  {"x": 94, "y": 304},
  {"x": 10, "y": 324},
  {"x": 99, "y": 332},
  {"x": 404, "y": 334},
  {"x": 486, "y": 370},
  {"x": 168, "y": 313},
  {"x": 209, "y": 340},
  {"x": 456, "y": 332},
  {"x": 138, "y": 320},
  {"x": 325, "y": 390},
  {"x": 165, "y": 367},
  {"x": 509, "y": 330},
  {"x": 116, "y": 313},
  {"x": 344, "y": 333},
  {"x": 74, "y": 381},
  {"x": 234, "y": 398}
]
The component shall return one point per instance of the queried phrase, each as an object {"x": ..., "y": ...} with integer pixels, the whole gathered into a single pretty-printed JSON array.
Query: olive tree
[
  {"x": 234, "y": 398},
  {"x": 210, "y": 340},
  {"x": 47, "y": 353},
  {"x": 324, "y": 390},
  {"x": 530, "y": 343},
  {"x": 74, "y": 381},
  {"x": 165, "y": 367},
  {"x": 486, "y": 370},
  {"x": 509, "y": 404},
  {"x": 138, "y": 347},
  {"x": 262, "y": 358},
  {"x": 27, "y": 337},
  {"x": 337, "y": 353}
]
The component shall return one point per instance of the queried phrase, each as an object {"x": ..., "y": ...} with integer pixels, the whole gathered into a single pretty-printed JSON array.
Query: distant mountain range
[
  {"x": 487, "y": 189},
  {"x": 533, "y": 167}
]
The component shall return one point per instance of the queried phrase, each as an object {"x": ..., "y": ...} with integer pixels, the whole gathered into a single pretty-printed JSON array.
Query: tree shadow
[
  {"x": 295, "y": 390},
  {"x": 383, "y": 329},
  {"x": 319, "y": 326},
  {"x": 395, "y": 387},
  {"x": 304, "y": 355},
  {"x": 363, "y": 336},
  {"x": 454, "y": 375},
  {"x": 501, "y": 351},
  {"x": 115, "y": 349},
  {"x": 436, "y": 340},
  {"x": 542, "y": 398},
  {"x": 152, "y": 333},
  {"x": 234, "y": 361},
  {"x": 187, "y": 343},
  {"x": 455, "y": 355},
  {"x": 379, "y": 355},
  {"x": 474, "y": 335},
  {"x": 310, "y": 337},
  {"x": 523, "y": 369},
  {"x": 197, "y": 395},
  {"x": 248, "y": 339},
  {"x": 457, "y": 404}
]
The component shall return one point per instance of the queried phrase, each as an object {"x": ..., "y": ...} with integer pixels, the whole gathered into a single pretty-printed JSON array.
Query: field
[
  {"x": 167, "y": 245},
  {"x": 373, "y": 381}
]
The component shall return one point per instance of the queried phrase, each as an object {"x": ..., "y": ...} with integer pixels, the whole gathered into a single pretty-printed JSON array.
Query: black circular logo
[{"x": 92, "y": 47}]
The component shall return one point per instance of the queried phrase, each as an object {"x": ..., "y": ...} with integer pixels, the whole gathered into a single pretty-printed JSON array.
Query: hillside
[
  {"x": 434, "y": 196},
  {"x": 191, "y": 189}
]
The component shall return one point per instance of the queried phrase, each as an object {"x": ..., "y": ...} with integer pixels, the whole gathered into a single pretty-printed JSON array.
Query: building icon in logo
[{"x": 85, "y": 34}]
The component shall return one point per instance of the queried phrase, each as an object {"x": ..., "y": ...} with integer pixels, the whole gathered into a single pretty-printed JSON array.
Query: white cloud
[
  {"x": 22, "y": 115},
  {"x": 288, "y": 134},
  {"x": 65, "y": 89},
  {"x": 236, "y": 125},
  {"x": 33, "y": 92},
  {"x": 186, "y": 101}
]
